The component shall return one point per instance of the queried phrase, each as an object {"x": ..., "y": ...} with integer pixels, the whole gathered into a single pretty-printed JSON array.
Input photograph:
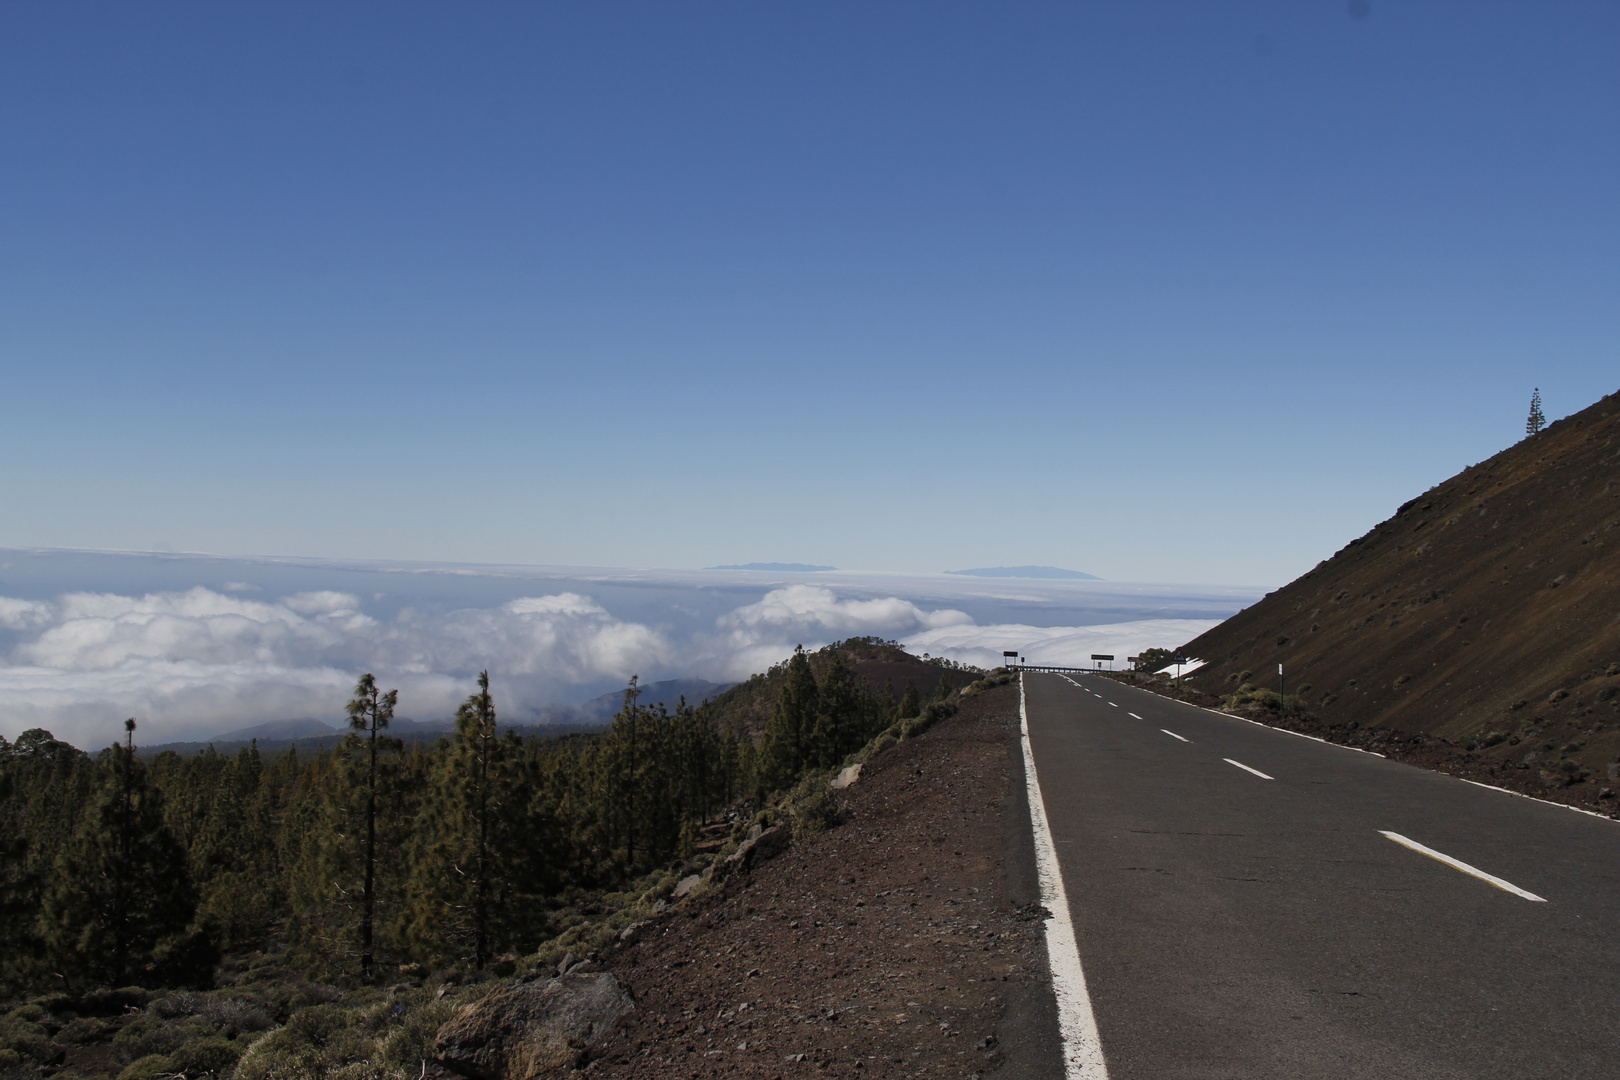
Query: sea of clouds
[{"x": 194, "y": 646}]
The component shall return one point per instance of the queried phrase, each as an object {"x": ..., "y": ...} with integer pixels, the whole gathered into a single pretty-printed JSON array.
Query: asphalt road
[{"x": 1236, "y": 926}]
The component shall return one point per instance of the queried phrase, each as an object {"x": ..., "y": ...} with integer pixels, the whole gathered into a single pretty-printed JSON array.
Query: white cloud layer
[{"x": 199, "y": 661}]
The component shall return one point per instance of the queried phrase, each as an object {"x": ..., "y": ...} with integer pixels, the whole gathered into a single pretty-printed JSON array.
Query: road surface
[{"x": 1250, "y": 903}]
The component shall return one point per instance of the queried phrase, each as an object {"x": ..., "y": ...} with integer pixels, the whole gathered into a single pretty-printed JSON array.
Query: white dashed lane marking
[
  {"x": 1173, "y": 735},
  {"x": 1245, "y": 768},
  {"x": 1458, "y": 864},
  {"x": 1133, "y": 716}
]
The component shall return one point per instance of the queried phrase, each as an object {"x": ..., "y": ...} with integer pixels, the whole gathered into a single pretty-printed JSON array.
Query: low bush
[
  {"x": 86, "y": 1029},
  {"x": 26, "y": 1038},
  {"x": 206, "y": 1058},
  {"x": 814, "y": 807},
  {"x": 148, "y": 1068}
]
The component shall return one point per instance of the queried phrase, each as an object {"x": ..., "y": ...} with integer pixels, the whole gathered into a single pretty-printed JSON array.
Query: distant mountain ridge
[
  {"x": 1043, "y": 572},
  {"x": 305, "y": 728},
  {"x": 309, "y": 733}
]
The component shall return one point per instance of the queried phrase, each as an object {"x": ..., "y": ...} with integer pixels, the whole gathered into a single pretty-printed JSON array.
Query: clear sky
[{"x": 1161, "y": 292}]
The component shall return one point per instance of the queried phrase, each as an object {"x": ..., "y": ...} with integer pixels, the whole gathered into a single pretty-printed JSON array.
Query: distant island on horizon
[
  {"x": 1026, "y": 572},
  {"x": 775, "y": 567}
]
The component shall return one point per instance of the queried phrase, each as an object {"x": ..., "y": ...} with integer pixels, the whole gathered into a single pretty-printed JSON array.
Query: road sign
[{"x": 1102, "y": 656}]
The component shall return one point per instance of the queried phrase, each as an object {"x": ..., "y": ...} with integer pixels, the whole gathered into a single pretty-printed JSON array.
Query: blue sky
[{"x": 1161, "y": 292}]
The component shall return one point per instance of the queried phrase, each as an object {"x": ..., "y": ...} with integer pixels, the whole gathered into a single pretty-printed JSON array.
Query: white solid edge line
[
  {"x": 1532, "y": 798},
  {"x": 1077, "y": 1024},
  {"x": 1245, "y": 768},
  {"x": 1173, "y": 735},
  {"x": 1285, "y": 731},
  {"x": 1376, "y": 754},
  {"x": 1458, "y": 864}
]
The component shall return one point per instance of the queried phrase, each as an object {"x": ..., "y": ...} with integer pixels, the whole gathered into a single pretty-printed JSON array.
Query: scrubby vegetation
[{"x": 229, "y": 895}]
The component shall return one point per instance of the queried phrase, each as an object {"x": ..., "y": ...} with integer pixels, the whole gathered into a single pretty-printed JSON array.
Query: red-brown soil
[
  {"x": 886, "y": 946},
  {"x": 1484, "y": 613}
]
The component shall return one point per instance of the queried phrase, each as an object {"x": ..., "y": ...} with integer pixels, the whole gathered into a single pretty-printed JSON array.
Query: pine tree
[
  {"x": 625, "y": 725},
  {"x": 841, "y": 714},
  {"x": 369, "y": 711},
  {"x": 1537, "y": 419},
  {"x": 119, "y": 893},
  {"x": 475, "y": 723},
  {"x": 788, "y": 733},
  {"x": 909, "y": 703}
]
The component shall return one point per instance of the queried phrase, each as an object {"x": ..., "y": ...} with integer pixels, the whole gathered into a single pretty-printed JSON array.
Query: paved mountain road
[{"x": 1240, "y": 911}]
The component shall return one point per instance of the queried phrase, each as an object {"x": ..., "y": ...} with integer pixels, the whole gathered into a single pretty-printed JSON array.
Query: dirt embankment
[
  {"x": 1482, "y": 613},
  {"x": 889, "y": 945}
]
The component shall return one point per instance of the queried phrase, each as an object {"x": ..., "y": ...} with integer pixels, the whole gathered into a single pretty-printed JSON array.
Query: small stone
[{"x": 565, "y": 963}]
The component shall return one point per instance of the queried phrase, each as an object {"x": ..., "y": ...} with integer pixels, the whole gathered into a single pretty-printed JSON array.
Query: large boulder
[
  {"x": 522, "y": 1031},
  {"x": 760, "y": 846}
]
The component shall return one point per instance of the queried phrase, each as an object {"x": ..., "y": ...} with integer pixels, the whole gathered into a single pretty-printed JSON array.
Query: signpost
[
  {"x": 1009, "y": 656},
  {"x": 1104, "y": 656}
]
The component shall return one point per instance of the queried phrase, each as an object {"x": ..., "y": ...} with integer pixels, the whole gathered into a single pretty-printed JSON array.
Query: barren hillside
[{"x": 1484, "y": 611}]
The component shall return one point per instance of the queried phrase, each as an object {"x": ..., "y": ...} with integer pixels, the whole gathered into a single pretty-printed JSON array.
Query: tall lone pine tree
[
  {"x": 370, "y": 711},
  {"x": 1538, "y": 419}
]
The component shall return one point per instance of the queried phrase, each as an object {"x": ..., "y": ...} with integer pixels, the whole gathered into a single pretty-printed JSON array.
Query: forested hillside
[{"x": 116, "y": 870}]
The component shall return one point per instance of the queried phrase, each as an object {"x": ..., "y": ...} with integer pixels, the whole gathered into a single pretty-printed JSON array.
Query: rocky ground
[{"x": 898, "y": 943}]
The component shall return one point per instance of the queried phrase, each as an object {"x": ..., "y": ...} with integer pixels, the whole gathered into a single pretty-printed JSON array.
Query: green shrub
[
  {"x": 31, "y": 1013},
  {"x": 407, "y": 1045},
  {"x": 314, "y": 1041},
  {"x": 147, "y": 1068},
  {"x": 86, "y": 1029},
  {"x": 27, "y": 1039},
  {"x": 54, "y": 1003},
  {"x": 211, "y": 1057},
  {"x": 1269, "y": 699},
  {"x": 817, "y": 811},
  {"x": 146, "y": 1037}
]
